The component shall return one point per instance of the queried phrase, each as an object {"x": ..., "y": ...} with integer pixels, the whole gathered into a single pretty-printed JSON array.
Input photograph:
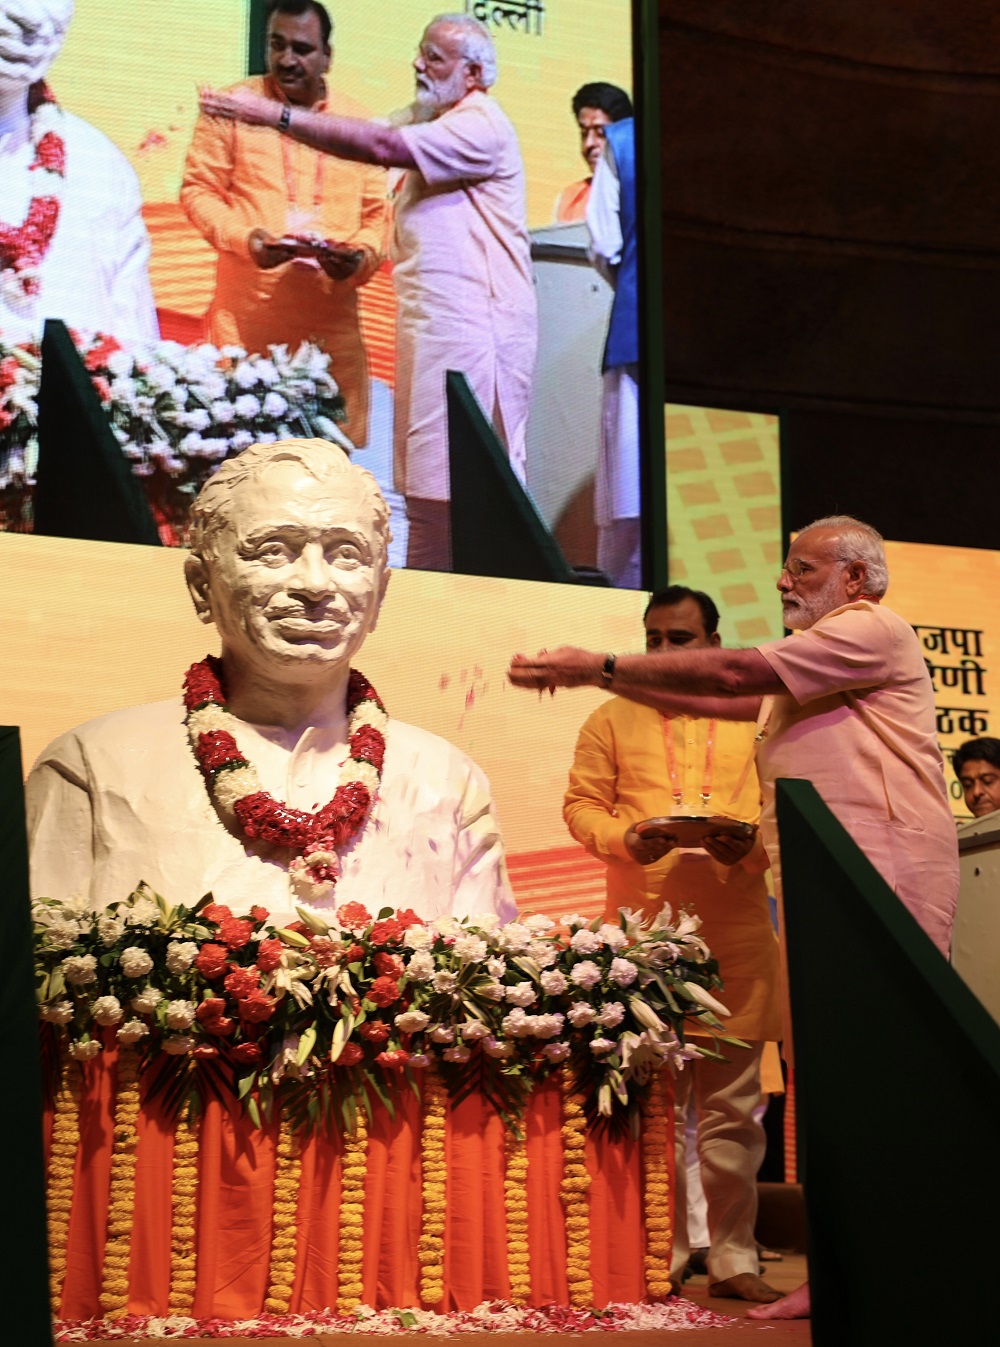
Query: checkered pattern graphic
[{"x": 724, "y": 514}]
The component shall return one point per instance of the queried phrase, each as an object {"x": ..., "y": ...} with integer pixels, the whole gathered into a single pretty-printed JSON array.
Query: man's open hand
[{"x": 567, "y": 667}]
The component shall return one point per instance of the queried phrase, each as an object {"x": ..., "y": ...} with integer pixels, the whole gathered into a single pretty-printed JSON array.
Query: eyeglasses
[{"x": 796, "y": 569}]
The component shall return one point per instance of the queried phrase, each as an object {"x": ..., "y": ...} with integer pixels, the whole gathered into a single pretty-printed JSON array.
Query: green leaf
[
  {"x": 407, "y": 1318},
  {"x": 306, "y": 1044},
  {"x": 253, "y": 1111}
]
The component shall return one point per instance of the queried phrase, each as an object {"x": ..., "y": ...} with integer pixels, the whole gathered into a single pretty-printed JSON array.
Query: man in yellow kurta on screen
[
  {"x": 297, "y": 231},
  {"x": 631, "y": 764}
]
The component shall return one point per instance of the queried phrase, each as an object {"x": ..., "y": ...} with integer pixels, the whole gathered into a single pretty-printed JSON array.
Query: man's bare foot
[
  {"x": 793, "y": 1306},
  {"x": 744, "y": 1286}
]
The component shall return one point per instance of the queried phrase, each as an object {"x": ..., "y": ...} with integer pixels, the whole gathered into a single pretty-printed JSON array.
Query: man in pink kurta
[{"x": 461, "y": 251}]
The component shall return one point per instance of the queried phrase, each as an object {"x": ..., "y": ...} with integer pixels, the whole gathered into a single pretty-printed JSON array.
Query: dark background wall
[{"x": 831, "y": 246}]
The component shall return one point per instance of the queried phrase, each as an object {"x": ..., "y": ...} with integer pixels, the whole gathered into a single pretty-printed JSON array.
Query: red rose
[
  {"x": 359, "y": 689},
  {"x": 368, "y": 745},
  {"x": 299, "y": 927},
  {"x": 216, "y": 912},
  {"x": 355, "y": 954},
  {"x": 247, "y": 1054},
  {"x": 383, "y": 991},
  {"x": 257, "y": 1007},
  {"x": 211, "y": 1008},
  {"x": 204, "y": 1051},
  {"x": 212, "y": 961},
  {"x": 102, "y": 388},
  {"x": 221, "y": 1027},
  {"x": 242, "y": 981},
  {"x": 407, "y": 918},
  {"x": 376, "y": 1031},
  {"x": 350, "y": 1055},
  {"x": 262, "y": 816},
  {"x": 269, "y": 954},
  {"x": 388, "y": 932},
  {"x": 259, "y": 914},
  {"x": 326, "y": 952},
  {"x": 203, "y": 684},
  {"x": 235, "y": 932},
  {"x": 389, "y": 965},
  {"x": 50, "y": 153},
  {"x": 394, "y": 1059},
  {"x": 353, "y": 914}
]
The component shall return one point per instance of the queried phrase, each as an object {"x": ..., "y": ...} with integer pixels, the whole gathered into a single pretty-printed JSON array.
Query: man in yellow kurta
[
  {"x": 297, "y": 231},
  {"x": 632, "y": 763}
]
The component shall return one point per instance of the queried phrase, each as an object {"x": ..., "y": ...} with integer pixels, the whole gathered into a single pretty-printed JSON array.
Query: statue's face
[
  {"x": 31, "y": 33},
  {"x": 297, "y": 580}
]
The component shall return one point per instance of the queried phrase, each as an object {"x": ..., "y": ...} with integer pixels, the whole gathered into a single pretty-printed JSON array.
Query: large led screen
[{"x": 148, "y": 248}]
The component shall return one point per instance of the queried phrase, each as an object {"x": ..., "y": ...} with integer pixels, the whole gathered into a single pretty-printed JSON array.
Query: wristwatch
[
  {"x": 285, "y": 120},
  {"x": 608, "y": 670}
]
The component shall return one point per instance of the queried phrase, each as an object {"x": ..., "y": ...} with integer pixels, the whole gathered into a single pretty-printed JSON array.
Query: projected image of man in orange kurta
[{"x": 297, "y": 232}]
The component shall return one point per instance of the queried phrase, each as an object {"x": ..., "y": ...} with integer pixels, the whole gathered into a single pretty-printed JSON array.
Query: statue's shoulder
[
  {"x": 150, "y": 723},
  {"x": 409, "y": 747}
]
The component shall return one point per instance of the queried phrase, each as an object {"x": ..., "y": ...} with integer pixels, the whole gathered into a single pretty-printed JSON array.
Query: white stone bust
[{"x": 289, "y": 563}]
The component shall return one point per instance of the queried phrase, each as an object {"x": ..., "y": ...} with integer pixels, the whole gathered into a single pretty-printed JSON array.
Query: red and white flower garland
[
  {"x": 236, "y": 790},
  {"x": 23, "y": 247}
]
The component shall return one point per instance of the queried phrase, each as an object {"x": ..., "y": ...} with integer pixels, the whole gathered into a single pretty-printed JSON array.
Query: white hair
[
  {"x": 31, "y": 33},
  {"x": 319, "y": 458},
  {"x": 476, "y": 44},
  {"x": 858, "y": 542}
]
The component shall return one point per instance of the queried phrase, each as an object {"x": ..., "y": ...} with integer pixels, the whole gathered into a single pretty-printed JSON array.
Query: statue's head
[
  {"x": 289, "y": 557},
  {"x": 31, "y": 33}
]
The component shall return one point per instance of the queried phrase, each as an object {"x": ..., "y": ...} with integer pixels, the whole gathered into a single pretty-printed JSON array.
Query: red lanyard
[{"x": 676, "y": 788}]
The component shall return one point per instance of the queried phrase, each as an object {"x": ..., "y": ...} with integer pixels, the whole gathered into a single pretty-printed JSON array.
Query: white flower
[
  {"x": 574, "y": 919},
  {"x": 180, "y": 1014},
  {"x": 143, "y": 912},
  {"x": 585, "y": 941},
  {"x": 472, "y": 1030},
  {"x": 161, "y": 377},
  {"x": 418, "y": 937},
  {"x": 109, "y": 928},
  {"x": 459, "y": 1053},
  {"x": 119, "y": 363},
  {"x": 107, "y": 1010},
  {"x": 178, "y": 1046},
  {"x": 586, "y": 974},
  {"x": 447, "y": 927},
  {"x": 600, "y": 1047},
  {"x": 492, "y": 991},
  {"x": 547, "y": 1026},
  {"x": 135, "y": 962},
  {"x": 613, "y": 936},
  {"x": 704, "y": 998},
  {"x": 420, "y": 967},
  {"x": 622, "y": 972},
  {"x": 470, "y": 949},
  {"x": 181, "y": 954},
  {"x": 147, "y": 1000},
  {"x": 244, "y": 375},
  {"x": 83, "y": 1052},
  {"x": 79, "y": 969},
  {"x": 514, "y": 938},
  {"x": 538, "y": 923},
  {"x": 493, "y": 1047},
  {"x": 131, "y": 1031},
  {"x": 496, "y": 967},
  {"x": 542, "y": 953},
  {"x": 556, "y": 1052},
  {"x": 57, "y": 1012},
  {"x": 580, "y": 1014},
  {"x": 275, "y": 405},
  {"x": 521, "y": 994},
  {"x": 240, "y": 441},
  {"x": 484, "y": 921},
  {"x": 247, "y": 406},
  {"x": 612, "y": 1014},
  {"x": 198, "y": 420},
  {"x": 222, "y": 414},
  {"x": 444, "y": 981},
  {"x": 516, "y": 1025},
  {"x": 553, "y": 983},
  {"x": 267, "y": 374},
  {"x": 62, "y": 934},
  {"x": 412, "y": 1021},
  {"x": 211, "y": 386},
  {"x": 418, "y": 1059},
  {"x": 442, "y": 1033}
]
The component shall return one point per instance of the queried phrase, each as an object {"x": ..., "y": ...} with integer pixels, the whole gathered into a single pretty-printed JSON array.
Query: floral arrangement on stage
[
  {"x": 330, "y": 1013},
  {"x": 176, "y": 410}
]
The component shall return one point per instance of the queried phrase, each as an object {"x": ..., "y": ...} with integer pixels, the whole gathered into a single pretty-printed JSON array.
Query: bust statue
[{"x": 277, "y": 779}]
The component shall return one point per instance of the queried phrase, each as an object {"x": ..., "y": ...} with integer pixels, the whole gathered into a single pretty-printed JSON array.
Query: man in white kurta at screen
[
  {"x": 91, "y": 270},
  {"x": 461, "y": 252},
  {"x": 289, "y": 562}
]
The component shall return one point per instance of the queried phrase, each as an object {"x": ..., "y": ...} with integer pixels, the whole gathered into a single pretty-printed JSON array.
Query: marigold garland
[
  {"x": 284, "y": 1223},
  {"x": 183, "y": 1249},
  {"x": 515, "y": 1193},
  {"x": 573, "y": 1190},
  {"x": 62, "y": 1165},
  {"x": 656, "y": 1190},
  {"x": 121, "y": 1197},
  {"x": 350, "y": 1255},
  {"x": 433, "y": 1156}
]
